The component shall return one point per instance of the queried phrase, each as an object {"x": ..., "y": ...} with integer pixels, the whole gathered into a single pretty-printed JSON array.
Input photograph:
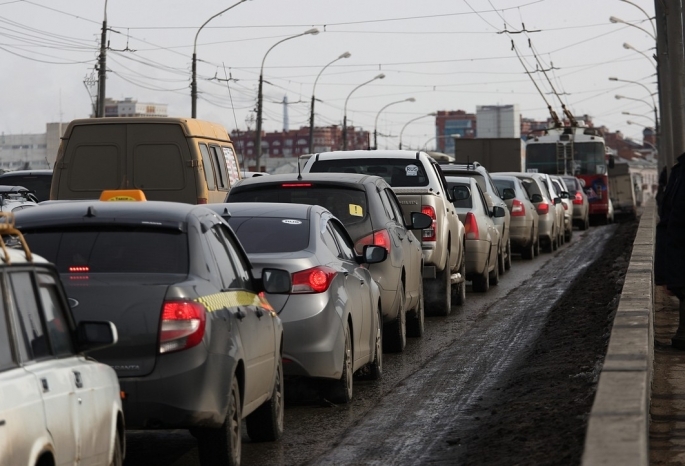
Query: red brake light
[
  {"x": 377, "y": 238},
  {"x": 182, "y": 327},
  {"x": 517, "y": 208},
  {"x": 543, "y": 208},
  {"x": 429, "y": 234},
  {"x": 314, "y": 280},
  {"x": 201, "y": 200},
  {"x": 296, "y": 185},
  {"x": 471, "y": 227},
  {"x": 79, "y": 269},
  {"x": 578, "y": 199}
]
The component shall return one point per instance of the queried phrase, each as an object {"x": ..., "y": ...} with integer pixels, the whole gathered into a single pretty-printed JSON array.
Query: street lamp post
[
  {"x": 311, "y": 113},
  {"x": 193, "y": 84},
  {"x": 654, "y": 106},
  {"x": 344, "y": 135},
  {"x": 375, "y": 124},
  {"x": 614, "y": 19},
  {"x": 644, "y": 12},
  {"x": 627, "y": 46},
  {"x": 412, "y": 120},
  {"x": 258, "y": 135}
]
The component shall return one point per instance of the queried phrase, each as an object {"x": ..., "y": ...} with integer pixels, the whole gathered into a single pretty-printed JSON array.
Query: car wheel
[
  {"x": 528, "y": 252},
  {"x": 585, "y": 223},
  {"x": 440, "y": 290},
  {"x": 481, "y": 283},
  {"x": 537, "y": 247},
  {"x": 265, "y": 424},
  {"x": 555, "y": 243},
  {"x": 494, "y": 275},
  {"x": 395, "y": 338},
  {"x": 340, "y": 391},
  {"x": 507, "y": 260},
  {"x": 222, "y": 446},
  {"x": 118, "y": 453},
  {"x": 415, "y": 323},
  {"x": 569, "y": 235},
  {"x": 376, "y": 366},
  {"x": 459, "y": 297}
]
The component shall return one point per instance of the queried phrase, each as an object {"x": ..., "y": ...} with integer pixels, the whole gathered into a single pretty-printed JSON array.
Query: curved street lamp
[
  {"x": 627, "y": 46},
  {"x": 193, "y": 84},
  {"x": 614, "y": 20},
  {"x": 644, "y": 12},
  {"x": 412, "y": 120},
  {"x": 344, "y": 135},
  {"x": 375, "y": 124},
  {"x": 311, "y": 113},
  {"x": 654, "y": 107},
  {"x": 258, "y": 135},
  {"x": 656, "y": 121}
]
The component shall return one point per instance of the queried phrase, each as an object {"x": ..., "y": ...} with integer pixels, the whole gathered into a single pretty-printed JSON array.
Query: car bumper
[
  {"x": 477, "y": 253},
  {"x": 546, "y": 224},
  {"x": 520, "y": 231}
]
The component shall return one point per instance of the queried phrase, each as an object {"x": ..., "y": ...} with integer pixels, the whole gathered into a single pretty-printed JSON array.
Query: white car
[{"x": 56, "y": 405}]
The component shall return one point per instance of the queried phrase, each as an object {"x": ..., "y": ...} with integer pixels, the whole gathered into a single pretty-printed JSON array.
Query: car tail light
[
  {"x": 183, "y": 325},
  {"x": 377, "y": 238},
  {"x": 471, "y": 227},
  {"x": 518, "y": 209},
  {"x": 543, "y": 208},
  {"x": 296, "y": 185},
  {"x": 429, "y": 234},
  {"x": 201, "y": 200},
  {"x": 79, "y": 269},
  {"x": 578, "y": 199},
  {"x": 314, "y": 280}
]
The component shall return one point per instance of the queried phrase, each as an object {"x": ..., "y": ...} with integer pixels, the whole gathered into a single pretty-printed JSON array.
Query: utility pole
[
  {"x": 102, "y": 65},
  {"x": 676, "y": 60}
]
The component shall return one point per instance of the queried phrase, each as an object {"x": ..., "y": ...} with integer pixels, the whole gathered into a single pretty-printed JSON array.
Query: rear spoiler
[{"x": 414, "y": 190}]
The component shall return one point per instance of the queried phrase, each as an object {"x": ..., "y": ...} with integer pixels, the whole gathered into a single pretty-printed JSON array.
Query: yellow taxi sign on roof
[{"x": 123, "y": 195}]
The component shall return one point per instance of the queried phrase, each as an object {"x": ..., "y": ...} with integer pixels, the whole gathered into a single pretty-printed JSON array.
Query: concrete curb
[{"x": 618, "y": 427}]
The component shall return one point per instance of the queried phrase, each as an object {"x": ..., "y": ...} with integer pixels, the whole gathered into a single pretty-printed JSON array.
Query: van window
[
  {"x": 233, "y": 172},
  {"x": 94, "y": 168},
  {"x": 207, "y": 167},
  {"x": 220, "y": 167},
  {"x": 158, "y": 166}
]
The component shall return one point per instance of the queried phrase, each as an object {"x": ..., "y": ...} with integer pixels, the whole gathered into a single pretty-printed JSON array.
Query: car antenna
[{"x": 299, "y": 170}]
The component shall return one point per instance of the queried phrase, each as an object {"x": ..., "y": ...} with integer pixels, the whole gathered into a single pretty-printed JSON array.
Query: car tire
[
  {"x": 481, "y": 283},
  {"x": 416, "y": 321},
  {"x": 555, "y": 243},
  {"x": 395, "y": 332},
  {"x": 459, "y": 297},
  {"x": 585, "y": 224},
  {"x": 340, "y": 391},
  {"x": 507, "y": 260},
  {"x": 265, "y": 424},
  {"x": 528, "y": 253},
  {"x": 118, "y": 453},
  {"x": 375, "y": 370},
  {"x": 440, "y": 290},
  {"x": 493, "y": 277},
  {"x": 568, "y": 236},
  {"x": 537, "y": 247},
  {"x": 222, "y": 446}
]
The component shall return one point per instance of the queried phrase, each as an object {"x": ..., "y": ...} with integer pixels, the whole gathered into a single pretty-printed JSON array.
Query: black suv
[{"x": 198, "y": 347}]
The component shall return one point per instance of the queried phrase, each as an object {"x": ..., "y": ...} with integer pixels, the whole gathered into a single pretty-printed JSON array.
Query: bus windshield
[{"x": 588, "y": 158}]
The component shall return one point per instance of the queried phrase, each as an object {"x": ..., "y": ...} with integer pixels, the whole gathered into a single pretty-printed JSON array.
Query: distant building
[
  {"x": 498, "y": 121},
  {"x": 132, "y": 108},
  {"x": 453, "y": 122},
  {"x": 31, "y": 151}
]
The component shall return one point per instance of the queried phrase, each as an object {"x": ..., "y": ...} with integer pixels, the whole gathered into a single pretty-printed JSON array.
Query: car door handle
[
  {"x": 78, "y": 379},
  {"x": 44, "y": 383}
]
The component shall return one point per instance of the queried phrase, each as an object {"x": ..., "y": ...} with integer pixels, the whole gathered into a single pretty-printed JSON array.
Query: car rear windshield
[
  {"x": 479, "y": 177},
  {"x": 271, "y": 234},
  {"x": 462, "y": 203},
  {"x": 501, "y": 184},
  {"x": 40, "y": 184},
  {"x": 530, "y": 186},
  {"x": 397, "y": 173},
  {"x": 112, "y": 249},
  {"x": 348, "y": 205},
  {"x": 571, "y": 183}
]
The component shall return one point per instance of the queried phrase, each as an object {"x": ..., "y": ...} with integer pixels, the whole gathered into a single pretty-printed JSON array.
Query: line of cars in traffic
[{"x": 310, "y": 275}]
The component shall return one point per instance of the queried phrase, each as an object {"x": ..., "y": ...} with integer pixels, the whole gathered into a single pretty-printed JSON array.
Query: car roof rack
[{"x": 7, "y": 228}]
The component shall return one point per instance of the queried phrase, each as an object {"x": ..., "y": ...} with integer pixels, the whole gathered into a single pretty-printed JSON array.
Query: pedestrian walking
[{"x": 669, "y": 260}]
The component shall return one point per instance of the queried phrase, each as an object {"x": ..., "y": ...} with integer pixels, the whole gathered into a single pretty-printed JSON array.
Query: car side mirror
[
  {"x": 535, "y": 198},
  {"x": 460, "y": 193},
  {"x": 498, "y": 212},
  {"x": 557, "y": 200},
  {"x": 565, "y": 195},
  {"x": 374, "y": 254},
  {"x": 92, "y": 335},
  {"x": 276, "y": 281},
  {"x": 420, "y": 221},
  {"x": 508, "y": 193}
]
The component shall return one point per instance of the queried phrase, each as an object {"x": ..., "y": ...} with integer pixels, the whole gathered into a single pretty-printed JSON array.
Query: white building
[
  {"x": 498, "y": 121},
  {"x": 31, "y": 151},
  {"x": 132, "y": 108}
]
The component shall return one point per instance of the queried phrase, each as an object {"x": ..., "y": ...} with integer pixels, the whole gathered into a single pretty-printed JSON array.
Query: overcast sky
[{"x": 447, "y": 54}]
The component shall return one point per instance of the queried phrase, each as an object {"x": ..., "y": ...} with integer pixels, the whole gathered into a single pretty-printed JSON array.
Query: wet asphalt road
[{"x": 409, "y": 416}]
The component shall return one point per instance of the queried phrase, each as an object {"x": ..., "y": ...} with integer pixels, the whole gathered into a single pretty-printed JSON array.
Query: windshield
[
  {"x": 587, "y": 158},
  {"x": 270, "y": 234},
  {"x": 396, "y": 172},
  {"x": 112, "y": 249}
]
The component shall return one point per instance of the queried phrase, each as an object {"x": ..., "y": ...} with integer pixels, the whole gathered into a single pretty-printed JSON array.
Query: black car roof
[
  {"x": 349, "y": 179},
  {"x": 265, "y": 209},
  {"x": 68, "y": 212}
]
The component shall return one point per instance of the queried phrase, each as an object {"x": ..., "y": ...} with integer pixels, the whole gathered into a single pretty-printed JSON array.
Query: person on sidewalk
[{"x": 669, "y": 257}]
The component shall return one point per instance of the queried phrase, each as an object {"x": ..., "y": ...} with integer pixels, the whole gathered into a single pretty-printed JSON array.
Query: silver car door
[
  {"x": 55, "y": 376},
  {"x": 412, "y": 253}
]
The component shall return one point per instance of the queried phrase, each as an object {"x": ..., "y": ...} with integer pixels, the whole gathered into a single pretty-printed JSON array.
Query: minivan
[{"x": 169, "y": 159}]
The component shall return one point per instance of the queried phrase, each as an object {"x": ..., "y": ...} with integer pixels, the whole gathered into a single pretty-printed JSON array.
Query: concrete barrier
[{"x": 618, "y": 427}]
